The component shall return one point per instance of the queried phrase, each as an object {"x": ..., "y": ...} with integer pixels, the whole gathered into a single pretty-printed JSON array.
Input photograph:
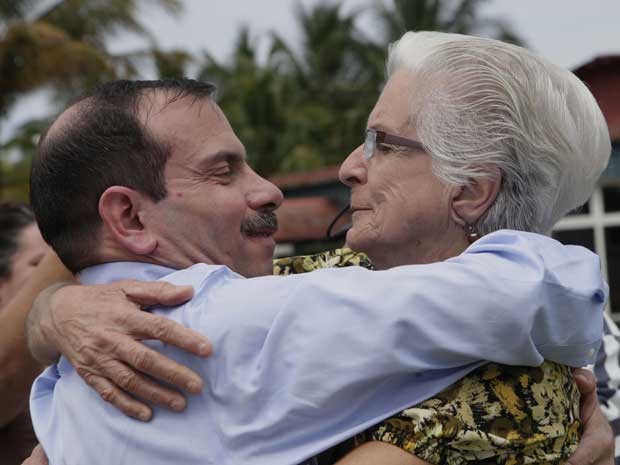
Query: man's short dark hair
[
  {"x": 14, "y": 218},
  {"x": 105, "y": 144}
]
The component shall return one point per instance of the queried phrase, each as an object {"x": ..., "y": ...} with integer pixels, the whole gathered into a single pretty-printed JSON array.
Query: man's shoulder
[{"x": 197, "y": 274}]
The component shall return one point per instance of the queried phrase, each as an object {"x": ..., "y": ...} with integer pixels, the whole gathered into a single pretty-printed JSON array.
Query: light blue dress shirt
[{"x": 303, "y": 362}]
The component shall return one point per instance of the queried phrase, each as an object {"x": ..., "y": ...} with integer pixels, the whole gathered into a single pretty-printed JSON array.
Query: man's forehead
[
  {"x": 163, "y": 103},
  {"x": 192, "y": 126}
]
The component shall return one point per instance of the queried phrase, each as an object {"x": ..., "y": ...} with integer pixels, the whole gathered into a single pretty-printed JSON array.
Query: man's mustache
[{"x": 260, "y": 223}]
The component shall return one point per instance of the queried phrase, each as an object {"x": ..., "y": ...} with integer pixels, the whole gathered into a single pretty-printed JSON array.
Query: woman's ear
[
  {"x": 121, "y": 210},
  {"x": 474, "y": 199}
]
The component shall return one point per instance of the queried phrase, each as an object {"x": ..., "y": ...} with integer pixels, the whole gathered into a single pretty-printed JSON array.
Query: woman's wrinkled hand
[
  {"x": 596, "y": 446},
  {"x": 99, "y": 329}
]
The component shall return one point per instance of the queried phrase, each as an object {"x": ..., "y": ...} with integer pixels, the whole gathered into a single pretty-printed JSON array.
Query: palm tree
[
  {"x": 460, "y": 16},
  {"x": 15, "y": 160},
  {"x": 331, "y": 86},
  {"x": 62, "y": 48},
  {"x": 251, "y": 94}
]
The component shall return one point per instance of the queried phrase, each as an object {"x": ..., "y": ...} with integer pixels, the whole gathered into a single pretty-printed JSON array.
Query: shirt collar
[{"x": 116, "y": 271}]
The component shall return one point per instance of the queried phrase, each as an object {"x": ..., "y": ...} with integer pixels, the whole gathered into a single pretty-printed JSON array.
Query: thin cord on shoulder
[{"x": 330, "y": 234}]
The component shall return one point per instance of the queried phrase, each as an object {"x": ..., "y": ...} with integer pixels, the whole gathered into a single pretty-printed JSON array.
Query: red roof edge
[
  {"x": 601, "y": 61},
  {"x": 304, "y": 178}
]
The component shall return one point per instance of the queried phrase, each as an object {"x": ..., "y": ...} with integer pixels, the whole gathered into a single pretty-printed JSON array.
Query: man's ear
[
  {"x": 122, "y": 211},
  {"x": 474, "y": 199}
]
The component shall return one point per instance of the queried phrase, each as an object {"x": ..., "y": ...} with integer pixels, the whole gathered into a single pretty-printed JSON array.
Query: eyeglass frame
[{"x": 374, "y": 137}]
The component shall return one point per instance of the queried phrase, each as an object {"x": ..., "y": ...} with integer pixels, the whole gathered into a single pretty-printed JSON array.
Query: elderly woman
[
  {"x": 21, "y": 250},
  {"x": 462, "y": 143}
]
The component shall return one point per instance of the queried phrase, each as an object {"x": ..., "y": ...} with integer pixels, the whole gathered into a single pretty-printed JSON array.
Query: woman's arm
[
  {"x": 374, "y": 452},
  {"x": 17, "y": 367},
  {"x": 596, "y": 446},
  {"x": 103, "y": 345}
]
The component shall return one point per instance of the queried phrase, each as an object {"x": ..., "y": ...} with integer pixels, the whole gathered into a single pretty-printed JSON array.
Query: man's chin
[
  {"x": 260, "y": 249},
  {"x": 259, "y": 268}
]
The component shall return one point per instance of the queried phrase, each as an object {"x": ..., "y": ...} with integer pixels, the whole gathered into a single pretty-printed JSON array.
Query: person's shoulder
[
  {"x": 545, "y": 246},
  {"x": 535, "y": 249},
  {"x": 529, "y": 256},
  {"x": 197, "y": 274}
]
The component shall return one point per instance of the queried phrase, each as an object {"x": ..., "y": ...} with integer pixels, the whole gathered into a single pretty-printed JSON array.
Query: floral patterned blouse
[{"x": 497, "y": 414}]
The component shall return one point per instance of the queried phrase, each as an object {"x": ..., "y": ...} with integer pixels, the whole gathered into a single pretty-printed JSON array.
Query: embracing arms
[
  {"x": 356, "y": 298},
  {"x": 104, "y": 360},
  {"x": 18, "y": 367},
  {"x": 596, "y": 446},
  {"x": 460, "y": 311}
]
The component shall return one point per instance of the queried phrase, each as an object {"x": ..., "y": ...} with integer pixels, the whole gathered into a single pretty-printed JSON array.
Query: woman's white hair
[{"x": 481, "y": 105}]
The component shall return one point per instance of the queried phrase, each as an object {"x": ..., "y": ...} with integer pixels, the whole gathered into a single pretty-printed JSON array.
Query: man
[{"x": 152, "y": 180}]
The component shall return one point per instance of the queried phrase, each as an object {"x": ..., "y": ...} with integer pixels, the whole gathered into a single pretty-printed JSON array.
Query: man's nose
[{"x": 264, "y": 195}]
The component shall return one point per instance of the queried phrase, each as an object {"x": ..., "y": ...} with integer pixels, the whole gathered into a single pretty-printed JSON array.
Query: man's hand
[
  {"x": 597, "y": 442},
  {"x": 37, "y": 457},
  {"x": 98, "y": 329}
]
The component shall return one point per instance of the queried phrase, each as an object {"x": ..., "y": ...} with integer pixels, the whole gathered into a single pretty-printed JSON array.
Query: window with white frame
[{"x": 597, "y": 227}]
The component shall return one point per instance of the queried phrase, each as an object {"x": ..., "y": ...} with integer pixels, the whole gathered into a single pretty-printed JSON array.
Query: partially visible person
[
  {"x": 21, "y": 250},
  {"x": 607, "y": 371}
]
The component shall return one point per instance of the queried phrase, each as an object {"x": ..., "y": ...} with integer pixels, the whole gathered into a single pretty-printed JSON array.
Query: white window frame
[{"x": 597, "y": 219}]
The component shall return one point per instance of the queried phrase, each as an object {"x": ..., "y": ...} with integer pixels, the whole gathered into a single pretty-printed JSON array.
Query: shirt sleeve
[
  {"x": 500, "y": 301},
  {"x": 338, "y": 350}
]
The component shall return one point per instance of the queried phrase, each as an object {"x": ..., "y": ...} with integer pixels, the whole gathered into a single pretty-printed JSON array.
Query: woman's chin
[{"x": 358, "y": 241}]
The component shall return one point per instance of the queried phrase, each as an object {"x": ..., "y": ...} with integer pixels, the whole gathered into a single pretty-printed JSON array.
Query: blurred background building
[{"x": 297, "y": 79}]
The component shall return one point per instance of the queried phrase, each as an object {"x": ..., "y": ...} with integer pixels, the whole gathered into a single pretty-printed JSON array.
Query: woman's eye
[
  {"x": 388, "y": 148},
  {"x": 385, "y": 148}
]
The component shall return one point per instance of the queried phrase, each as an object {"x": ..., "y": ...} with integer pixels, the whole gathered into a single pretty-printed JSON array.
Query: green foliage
[
  {"x": 62, "y": 49},
  {"x": 307, "y": 106},
  {"x": 14, "y": 173},
  {"x": 301, "y": 108}
]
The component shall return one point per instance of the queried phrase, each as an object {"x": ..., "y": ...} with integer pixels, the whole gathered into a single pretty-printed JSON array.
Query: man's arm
[
  {"x": 17, "y": 367},
  {"x": 473, "y": 280},
  {"x": 366, "y": 334}
]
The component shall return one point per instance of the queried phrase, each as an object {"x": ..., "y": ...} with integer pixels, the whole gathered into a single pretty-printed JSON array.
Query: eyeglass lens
[{"x": 369, "y": 144}]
